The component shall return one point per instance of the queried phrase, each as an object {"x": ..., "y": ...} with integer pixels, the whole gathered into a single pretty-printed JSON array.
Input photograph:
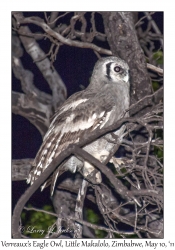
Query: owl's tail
[{"x": 43, "y": 158}]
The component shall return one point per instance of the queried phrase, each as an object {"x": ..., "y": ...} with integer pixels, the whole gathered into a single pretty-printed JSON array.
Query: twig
[
  {"x": 56, "y": 19},
  {"x": 80, "y": 221},
  {"x": 154, "y": 68},
  {"x": 154, "y": 25}
]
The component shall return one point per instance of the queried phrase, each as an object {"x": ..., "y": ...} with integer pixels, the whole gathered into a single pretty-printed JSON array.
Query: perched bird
[{"x": 100, "y": 105}]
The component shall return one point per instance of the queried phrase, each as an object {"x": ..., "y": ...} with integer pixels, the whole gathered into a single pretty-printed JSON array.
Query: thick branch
[
  {"x": 21, "y": 169},
  {"x": 33, "y": 110},
  {"x": 26, "y": 79},
  {"x": 51, "y": 76},
  {"x": 79, "y": 208}
]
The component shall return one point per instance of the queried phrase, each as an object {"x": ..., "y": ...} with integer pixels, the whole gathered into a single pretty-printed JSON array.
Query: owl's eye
[{"x": 117, "y": 69}]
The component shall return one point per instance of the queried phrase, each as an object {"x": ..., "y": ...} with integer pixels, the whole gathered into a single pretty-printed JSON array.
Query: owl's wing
[{"x": 80, "y": 114}]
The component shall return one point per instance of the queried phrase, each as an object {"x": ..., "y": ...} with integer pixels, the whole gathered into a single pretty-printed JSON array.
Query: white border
[{"x": 5, "y": 98}]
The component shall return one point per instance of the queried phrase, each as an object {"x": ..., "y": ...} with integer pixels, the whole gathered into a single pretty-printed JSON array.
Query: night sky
[{"x": 75, "y": 66}]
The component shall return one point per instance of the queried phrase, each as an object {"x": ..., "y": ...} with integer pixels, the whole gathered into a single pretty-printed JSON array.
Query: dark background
[{"x": 75, "y": 66}]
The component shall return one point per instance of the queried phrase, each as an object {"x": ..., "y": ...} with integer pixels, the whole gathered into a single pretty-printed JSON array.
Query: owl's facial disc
[{"x": 116, "y": 71}]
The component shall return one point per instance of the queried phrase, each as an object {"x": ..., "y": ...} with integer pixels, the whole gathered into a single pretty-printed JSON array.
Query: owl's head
[{"x": 111, "y": 69}]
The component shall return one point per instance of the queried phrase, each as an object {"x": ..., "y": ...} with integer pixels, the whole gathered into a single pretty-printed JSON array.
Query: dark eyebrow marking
[{"x": 108, "y": 70}]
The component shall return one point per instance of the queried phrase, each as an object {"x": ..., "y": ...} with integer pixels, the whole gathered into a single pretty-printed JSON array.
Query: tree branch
[
  {"x": 21, "y": 169},
  {"x": 33, "y": 110},
  {"x": 51, "y": 33}
]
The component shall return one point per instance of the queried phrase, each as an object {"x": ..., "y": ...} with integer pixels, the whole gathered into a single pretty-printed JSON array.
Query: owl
[{"x": 100, "y": 105}]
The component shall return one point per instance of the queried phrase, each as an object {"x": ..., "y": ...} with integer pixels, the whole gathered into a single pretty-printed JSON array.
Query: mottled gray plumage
[{"x": 101, "y": 104}]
